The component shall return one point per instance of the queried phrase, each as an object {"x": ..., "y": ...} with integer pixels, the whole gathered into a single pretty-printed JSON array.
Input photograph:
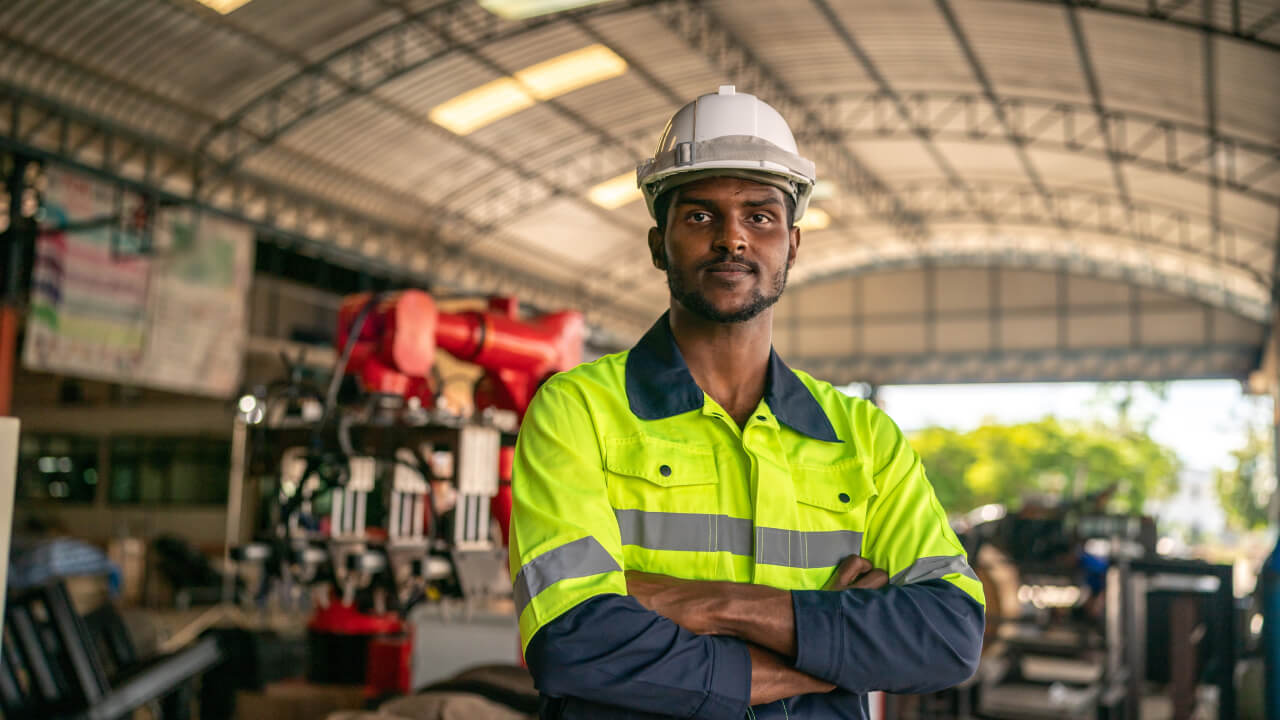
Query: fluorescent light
[
  {"x": 224, "y": 6},
  {"x": 613, "y": 194},
  {"x": 571, "y": 71},
  {"x": 476, "y": 108},
  {"x": 521, "y": 9},
  {"x": 495, "y": 100},
  {"x": 814, "y": 219}
]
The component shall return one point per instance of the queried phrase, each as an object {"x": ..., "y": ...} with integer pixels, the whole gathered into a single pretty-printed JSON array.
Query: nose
[{"x": 732, "y": 237}]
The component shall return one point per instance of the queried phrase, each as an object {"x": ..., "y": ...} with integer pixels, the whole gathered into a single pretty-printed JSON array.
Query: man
[{"x": 701, "y": 532}]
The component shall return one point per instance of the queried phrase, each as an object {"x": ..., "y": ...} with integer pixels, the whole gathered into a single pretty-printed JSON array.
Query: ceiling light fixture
[
  {"x": 613, "y": 194},
  {"x": 814, "y": 219},
  {"x": 522, "y": 9},
  {"x": 476, "y": 108},
  {"x": 505, "y": 96},
  {"x": 224, "y": 6},
  {"x": 571, "y": 71}
]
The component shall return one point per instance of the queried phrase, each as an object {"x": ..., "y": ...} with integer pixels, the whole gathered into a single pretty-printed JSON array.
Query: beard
[{"x": 698, "y": 304}]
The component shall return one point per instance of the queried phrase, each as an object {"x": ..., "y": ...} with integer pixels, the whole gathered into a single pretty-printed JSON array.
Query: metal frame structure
[
  {"x": 1224, "y": 19},
  {"x": 1157, "y": 226},
  {"x": 1144, "y": 140},
  {"x": 361, "y": 69},
  {"x": 702, "y": 30},
  {"x": 1095, "y": 94},
  {"x": 48, "y": 131},
  {"x": 453, "y": 244},
  {"x": 1050, "y": 365},
  {"x": 1020, "y": 317},
  {"x": 989, "y": 93},
  {"x": 1075, "y": 258}
]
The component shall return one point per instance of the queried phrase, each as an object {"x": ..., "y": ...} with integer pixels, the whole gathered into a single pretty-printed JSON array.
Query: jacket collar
[{"x": 659, "y": 385}]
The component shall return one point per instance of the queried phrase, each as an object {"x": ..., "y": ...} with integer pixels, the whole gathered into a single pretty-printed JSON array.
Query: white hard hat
[{"x": 727, "y": 134}]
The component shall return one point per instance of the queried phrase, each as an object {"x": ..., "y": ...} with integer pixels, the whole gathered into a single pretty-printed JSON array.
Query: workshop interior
[{"x": 281, "y": 278}]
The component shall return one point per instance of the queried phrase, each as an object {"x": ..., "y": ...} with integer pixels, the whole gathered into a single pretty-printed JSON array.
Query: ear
[
  {"x": 794, "y": 249},
  {"x": 657, "y": 249}
]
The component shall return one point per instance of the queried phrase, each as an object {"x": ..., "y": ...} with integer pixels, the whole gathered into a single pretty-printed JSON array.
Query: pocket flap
[
  {"x": 661, "y": 462},
  {"x": 839, "y": 487}
]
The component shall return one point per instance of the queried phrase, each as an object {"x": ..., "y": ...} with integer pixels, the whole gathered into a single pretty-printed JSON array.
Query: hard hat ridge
[{"x": 727, "y": 134}]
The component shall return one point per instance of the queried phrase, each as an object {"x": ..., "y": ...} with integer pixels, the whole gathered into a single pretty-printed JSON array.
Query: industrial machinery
[
  {"x": 1084, "y": 619},
  {"x": 383, "y": 495}
]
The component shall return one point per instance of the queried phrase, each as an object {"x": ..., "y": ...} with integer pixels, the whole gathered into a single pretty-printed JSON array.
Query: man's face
[{"x": 726, "y": 249}]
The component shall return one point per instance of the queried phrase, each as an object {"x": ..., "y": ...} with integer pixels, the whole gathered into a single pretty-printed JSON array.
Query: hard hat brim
[{"x": 798, "y": 192}]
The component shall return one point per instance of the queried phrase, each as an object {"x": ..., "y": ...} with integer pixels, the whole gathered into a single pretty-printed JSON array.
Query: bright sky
[{"x": 1203, "y": 420}]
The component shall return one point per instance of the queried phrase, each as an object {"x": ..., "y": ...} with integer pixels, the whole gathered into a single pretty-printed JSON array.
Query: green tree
[
  {"x": 947, "y": 457},
  {"x": 1004, "y": 463},
  {"x": 1245, "y": 490}
]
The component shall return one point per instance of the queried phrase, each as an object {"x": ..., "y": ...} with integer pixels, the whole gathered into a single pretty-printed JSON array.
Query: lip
[{"x": 729, "y": 268}]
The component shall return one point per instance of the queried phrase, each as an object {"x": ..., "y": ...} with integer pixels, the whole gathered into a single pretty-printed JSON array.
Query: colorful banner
[{"x": 172, "y": 317}]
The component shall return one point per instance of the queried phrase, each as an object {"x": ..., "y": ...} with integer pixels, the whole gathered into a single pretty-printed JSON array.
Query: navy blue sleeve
[
  {"x": 915, "y": 638},
  {"x": 611, "y": 650}
]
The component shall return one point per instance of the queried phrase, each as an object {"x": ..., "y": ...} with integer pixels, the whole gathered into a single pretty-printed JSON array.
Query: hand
[
  {"x": 856, "y": 571},
  {"x": 773, "y": 678}
]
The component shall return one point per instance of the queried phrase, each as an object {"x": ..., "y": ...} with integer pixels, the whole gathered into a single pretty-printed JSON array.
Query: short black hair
[{"x": 662, "y": 205}]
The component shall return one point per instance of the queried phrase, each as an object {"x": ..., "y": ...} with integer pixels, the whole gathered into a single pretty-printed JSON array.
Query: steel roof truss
[
  {"x": 1100, "y": 213},
  {"x": 998, "y": 114},
  {"x": 1050, "y": 365},
  {"x": 421, "y": 38},
  {"x": 1152, "y": 12},
  {"x": 702, "y": 30},
  {"x": 902, "y": 110},
  {"x": 1213, "y": 144},
  {"x": 87, "y": 144},
  {"x": 1146, "y": 141},
  {"x": 1259, "y": 25}
]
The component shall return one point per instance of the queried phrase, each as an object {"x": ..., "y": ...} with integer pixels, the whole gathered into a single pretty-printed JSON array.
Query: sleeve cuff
[
  {"x": 818, "y": 632},
  {"x": 730, "y": 691}
]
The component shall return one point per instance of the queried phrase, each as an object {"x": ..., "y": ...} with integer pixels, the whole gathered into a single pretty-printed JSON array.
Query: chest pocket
[
  {"x": 832, "y": 497},
  {"x": 655, "y": 475}
]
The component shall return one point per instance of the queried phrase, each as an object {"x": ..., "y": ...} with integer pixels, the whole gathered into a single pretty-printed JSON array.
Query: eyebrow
[{"x": 707, "y": 203}]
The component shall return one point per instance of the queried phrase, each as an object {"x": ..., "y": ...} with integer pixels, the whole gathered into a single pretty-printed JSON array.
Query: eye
[
  {"x": 699, "y": 216},
  {"x": 761, "y": 218}
]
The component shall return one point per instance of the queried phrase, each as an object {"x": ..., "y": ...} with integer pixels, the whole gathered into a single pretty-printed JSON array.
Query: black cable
[
  {"x": 424, "y": 469},
  {"x": 316, "y": 459},
  {"x": 340, "y": 369}
]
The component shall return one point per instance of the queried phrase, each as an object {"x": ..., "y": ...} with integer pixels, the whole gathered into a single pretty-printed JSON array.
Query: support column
[
  {"x": 1274, "y": 510},
  {"x": 13, "y": 280},
  {"x": 235, "y": 502},
  {"x": 8, "y": 355}
]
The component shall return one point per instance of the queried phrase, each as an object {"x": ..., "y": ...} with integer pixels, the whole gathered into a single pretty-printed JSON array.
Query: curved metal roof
[{"x": 1137, "y": 136}]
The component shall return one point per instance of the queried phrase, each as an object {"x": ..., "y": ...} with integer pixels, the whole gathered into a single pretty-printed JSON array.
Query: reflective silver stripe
[
  {"x": 933, "y": 568},
  {"x": 701, "y": 532},
  {"x": 692, "y": 532},
  {"x": 806, "y": 549},
  {"x": 580, "y": 558}
]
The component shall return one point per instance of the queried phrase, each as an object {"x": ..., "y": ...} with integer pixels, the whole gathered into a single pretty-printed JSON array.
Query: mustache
[{"x": 730, "y": 260}]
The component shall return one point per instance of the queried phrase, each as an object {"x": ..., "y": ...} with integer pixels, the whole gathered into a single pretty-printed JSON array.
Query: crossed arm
[
  {"x": 596, "y": 638},
  {"x": 762, "y": 616}
]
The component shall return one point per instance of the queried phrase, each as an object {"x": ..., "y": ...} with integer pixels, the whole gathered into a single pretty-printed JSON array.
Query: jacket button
[
  {"x": 761, "y": 417},
  {"x": 665, "y": 470},
  {"x": 844, "y": 497}
]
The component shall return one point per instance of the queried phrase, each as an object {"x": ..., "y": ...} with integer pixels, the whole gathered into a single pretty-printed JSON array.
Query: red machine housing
[
  {"x": 395, "y": 349},
  {"x": 393, "y": 353}
]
